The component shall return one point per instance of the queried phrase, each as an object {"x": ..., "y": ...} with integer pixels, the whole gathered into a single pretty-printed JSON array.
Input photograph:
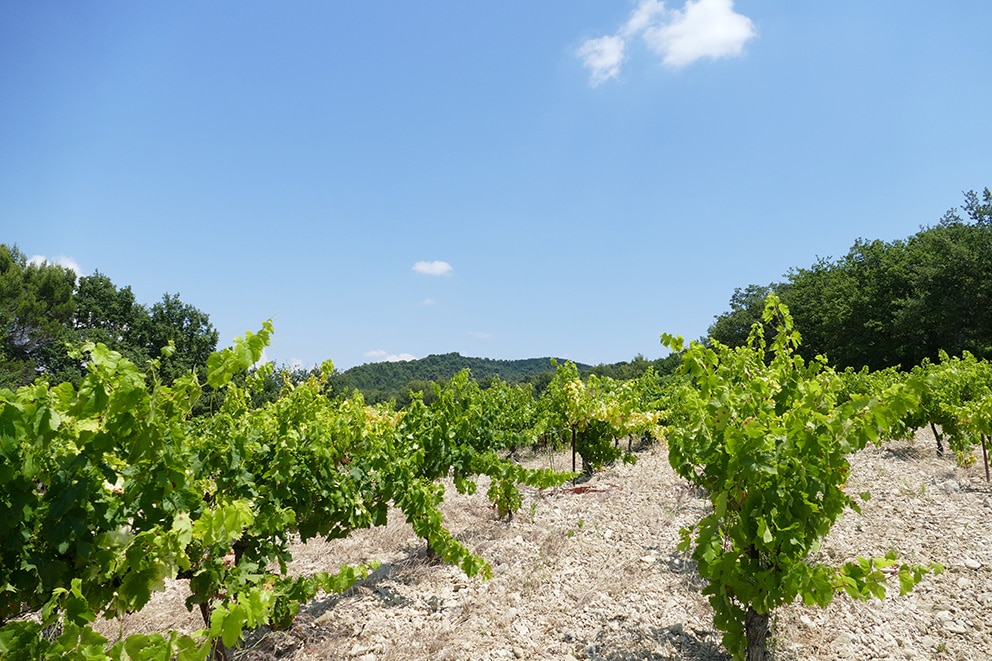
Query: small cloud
[
  {"x": 603, "y": 57},
  {"x": 380, "y": 355},
  {"x": 67, "y": 262},
  {"x": 433, "y": 268},
  {"x": 705, "y": 28},
  {"x": 294, "y": 364},
  {"x": 702, "y": 28},
  {"x": 479, "y": 335},
  {"x": 429, "y": 301}
]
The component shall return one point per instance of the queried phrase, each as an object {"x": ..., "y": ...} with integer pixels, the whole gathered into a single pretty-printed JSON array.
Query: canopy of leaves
[
  {"x": 888, "y": 303},
  {"x": 45, "y": 312}
]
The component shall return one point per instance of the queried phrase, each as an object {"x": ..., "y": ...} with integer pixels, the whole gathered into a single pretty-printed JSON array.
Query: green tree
[
  {"x": 187, "y": 328},
  {"x": 979, "y": 210},
  {"x": 36, "y": 304},
  {"x": 110, "y": 315},
  {"x": 885, "y": 304},
  {"x": 847, "y": 309},
  {"x": 948, "y": 302},
  {"x": 746, "y": 305}
]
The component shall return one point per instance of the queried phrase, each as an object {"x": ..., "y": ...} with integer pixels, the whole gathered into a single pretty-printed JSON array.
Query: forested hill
[{"x": 388, "y": 380}]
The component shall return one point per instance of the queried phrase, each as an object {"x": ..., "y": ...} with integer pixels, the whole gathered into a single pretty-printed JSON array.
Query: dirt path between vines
[{"x": 593, "y": 573}]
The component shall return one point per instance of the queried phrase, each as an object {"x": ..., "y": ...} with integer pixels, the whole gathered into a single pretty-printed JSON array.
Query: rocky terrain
[{"x": 593, "y": 572}]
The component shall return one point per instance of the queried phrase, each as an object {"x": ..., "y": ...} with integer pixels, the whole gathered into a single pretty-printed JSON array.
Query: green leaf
[
  {"x": 223, "y": 365},
  {"x": 764, "y": 533},
  {"x": 233, "y": 624},
  {"x": 720, "y": 504}
]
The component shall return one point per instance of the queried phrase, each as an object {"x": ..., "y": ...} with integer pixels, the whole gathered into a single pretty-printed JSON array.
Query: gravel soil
[{"x": 593, "y": 572}]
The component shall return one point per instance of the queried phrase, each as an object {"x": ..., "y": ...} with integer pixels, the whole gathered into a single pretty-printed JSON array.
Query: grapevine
[
  {"x": 766, "y": 435},
  {"x": 113, "y": 488}
]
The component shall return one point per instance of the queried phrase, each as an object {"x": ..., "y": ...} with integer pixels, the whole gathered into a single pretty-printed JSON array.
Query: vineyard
[
  {"x": 597, "y": 575},
  {"x": 710, "y": 516}
]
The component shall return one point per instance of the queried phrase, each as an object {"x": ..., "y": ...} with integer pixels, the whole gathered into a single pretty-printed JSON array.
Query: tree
[
  {"x": 44, "y": 313},
  {"x": 732, "y": 328},
  {"x": 948, "y": 302},
  {"x": 885, "y": 304},
  {"x": 190, "y": 331},
  {"x": 110, "y": 315},
  {"x": 978, "y": 210},
  {"x": 36, "y": 304},
  {"x": 846, "y": 309}
]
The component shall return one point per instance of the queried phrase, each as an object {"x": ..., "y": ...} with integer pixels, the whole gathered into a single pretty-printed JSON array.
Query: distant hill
[{"x": 395, "y": 380}]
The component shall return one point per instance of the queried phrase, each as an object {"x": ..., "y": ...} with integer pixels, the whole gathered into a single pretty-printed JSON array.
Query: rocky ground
[{"x": 593, "y": 573}]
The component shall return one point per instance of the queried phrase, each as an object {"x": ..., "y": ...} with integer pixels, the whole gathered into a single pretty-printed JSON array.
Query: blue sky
[{"x": 507, "y": 180}]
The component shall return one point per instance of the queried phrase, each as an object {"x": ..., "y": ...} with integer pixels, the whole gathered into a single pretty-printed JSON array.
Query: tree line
[
  {"x": 46, "y": 310},
  {"x": 883, "y": 304},
  {"x": 887, "y": 304}
]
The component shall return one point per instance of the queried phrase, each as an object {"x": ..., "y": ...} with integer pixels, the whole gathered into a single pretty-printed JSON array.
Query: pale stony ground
[{"x": 594, "y": 573}]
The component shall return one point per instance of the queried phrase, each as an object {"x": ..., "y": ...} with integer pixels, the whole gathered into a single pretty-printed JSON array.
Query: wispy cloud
[
  {"x": 646, "y": 14},
  {"x": 67, "y": 262},
  {"x": 702, "y": 28},
  {"x": 429, "y": 301},
  {"x": 380, "y": 355},
  {"x": 603, "y": 57},
  {"x": 433, "y": 268},
  {"x": 480, "y": 335}
]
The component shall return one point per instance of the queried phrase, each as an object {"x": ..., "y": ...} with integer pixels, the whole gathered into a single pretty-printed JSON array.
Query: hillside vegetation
[{"x": 384, "y": 381}]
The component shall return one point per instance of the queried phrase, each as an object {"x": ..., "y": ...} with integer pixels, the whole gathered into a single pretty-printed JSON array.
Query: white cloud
[
  {"x": 643, "y": 17},
  {"x": 705, "y": 28},
  {"x": 603, "y": 57},
  {"x": 433, "y": 268},
  {"x": 702, "y": 28},
  {"x": 380, "y": 355},
  {"x": 429, "y": 301},
  {"x": 479, "y": 335},
  {"x": 67, "y": 262}
]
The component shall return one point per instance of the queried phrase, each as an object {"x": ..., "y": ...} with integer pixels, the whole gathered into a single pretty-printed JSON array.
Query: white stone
[
  {"x": 844, "y": 639},
  {"x": 955, "y": 627}
]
